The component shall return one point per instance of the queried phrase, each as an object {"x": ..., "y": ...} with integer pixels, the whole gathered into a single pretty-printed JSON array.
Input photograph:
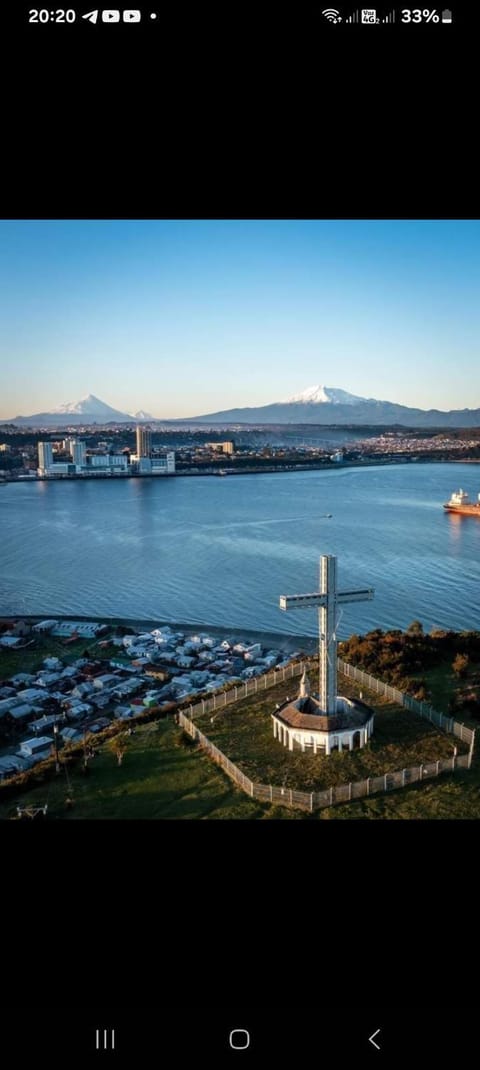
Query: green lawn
[
  {"x": 160, "y": 777},
  {"x": 400, "y": 739},
  {"x": 456, "y": 796}
]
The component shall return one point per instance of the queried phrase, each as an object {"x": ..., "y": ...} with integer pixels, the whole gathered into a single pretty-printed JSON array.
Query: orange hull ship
[{"x": 460, "y": 503}]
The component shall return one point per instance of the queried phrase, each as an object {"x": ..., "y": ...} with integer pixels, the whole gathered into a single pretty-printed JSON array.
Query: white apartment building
[
  {"x": 84, "y": 464},
  {"x": 45, "y": 458},
  {"x": 155, "y": 466},
  {"x": 106, "y": 460},
  {"x": 77, "y": 452},
  {"x": 144, "y": 441}
]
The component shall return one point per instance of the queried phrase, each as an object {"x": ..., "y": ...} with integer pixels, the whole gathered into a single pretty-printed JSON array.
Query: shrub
[
  {"x": 460, "y": 664},
  {"x": 185, "y": 740}
]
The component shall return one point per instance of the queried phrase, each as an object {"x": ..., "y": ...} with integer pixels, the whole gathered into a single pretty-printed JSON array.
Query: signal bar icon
[
  {"x": 105, "y": 1039},
  {"x": 355, "y": 17}
]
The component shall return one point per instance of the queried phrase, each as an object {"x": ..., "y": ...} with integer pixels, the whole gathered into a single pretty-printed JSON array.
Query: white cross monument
[{"x": 327, "y": 600}]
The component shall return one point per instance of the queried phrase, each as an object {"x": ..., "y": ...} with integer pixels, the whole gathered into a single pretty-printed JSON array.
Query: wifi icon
[{"x": 331, "y": 14}]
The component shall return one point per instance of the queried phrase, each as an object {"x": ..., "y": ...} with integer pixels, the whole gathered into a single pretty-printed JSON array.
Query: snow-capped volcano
[
  {"x": 328, "y": 395},
  {"x": 89, "y": 404},
  {"x": 328, "y": 405},
  {"x": 89, "y": 410},
  {"x": 315, "y": 405}
]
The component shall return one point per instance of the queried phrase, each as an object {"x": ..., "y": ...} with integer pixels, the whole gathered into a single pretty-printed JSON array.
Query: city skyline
[{"x": 187, "y": 317}]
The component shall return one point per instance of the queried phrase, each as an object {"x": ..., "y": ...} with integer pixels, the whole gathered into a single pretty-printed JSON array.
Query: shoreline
[
  {"x": 287, "y": 643},
  {"x": 267, "y": 470}
]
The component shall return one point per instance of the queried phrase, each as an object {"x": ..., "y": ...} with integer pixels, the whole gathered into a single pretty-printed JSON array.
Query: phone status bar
[
  {"x": 326, "y": 16},
  {"x": 373, "y": 16},
  {"x": 97, "y": 16}
]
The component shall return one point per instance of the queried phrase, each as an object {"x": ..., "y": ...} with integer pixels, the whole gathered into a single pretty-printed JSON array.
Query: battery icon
[{"x": 446, "y": 16}]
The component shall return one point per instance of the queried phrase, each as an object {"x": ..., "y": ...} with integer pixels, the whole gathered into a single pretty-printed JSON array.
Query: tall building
[
  {"x": 45, "y": 454},
  {"x": 144, "y": 441},
  {"x": 77, "y": 450}
]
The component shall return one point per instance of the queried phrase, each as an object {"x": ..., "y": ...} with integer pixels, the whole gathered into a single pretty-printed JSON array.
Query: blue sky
[{"x": 183, "y": 318}]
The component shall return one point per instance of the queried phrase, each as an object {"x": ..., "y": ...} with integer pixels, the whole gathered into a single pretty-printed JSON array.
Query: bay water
[{"x": 220, "y": 551}]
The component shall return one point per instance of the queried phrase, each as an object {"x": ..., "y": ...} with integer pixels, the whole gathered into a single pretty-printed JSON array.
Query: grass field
[
  {"x": 449, "y": 797},
  {"x": 160, "y": 777},
  {"x": 400, "y": 739}
]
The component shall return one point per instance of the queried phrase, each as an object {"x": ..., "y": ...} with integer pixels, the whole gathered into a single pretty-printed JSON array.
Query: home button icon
[{"x": 239, "y": 1039}]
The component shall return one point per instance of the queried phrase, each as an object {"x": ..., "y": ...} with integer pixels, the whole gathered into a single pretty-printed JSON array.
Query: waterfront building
[
  {"x": 166, "y": 464},
  {"x": 77, "y": 452},
  {"x": 59, "y": 468},
  {"x": 144, "y": 466},
  {"x": 324, "y": 721},
  {"x": 144, "y": 441},
  {"x": 45, "y": 457},
  {"x": 153, "y": 466},
  {"x": 105, "y": 462}
]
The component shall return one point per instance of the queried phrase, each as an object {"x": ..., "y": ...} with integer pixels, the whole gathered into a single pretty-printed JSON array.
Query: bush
[
  {"x": 460, "y": 664},
  {"x": 184, "y": 740}
]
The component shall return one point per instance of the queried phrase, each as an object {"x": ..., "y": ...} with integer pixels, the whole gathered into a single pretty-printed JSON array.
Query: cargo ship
[{"x": 460, "y": 503}]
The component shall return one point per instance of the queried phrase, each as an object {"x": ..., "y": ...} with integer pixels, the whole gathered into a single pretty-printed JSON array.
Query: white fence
[
  {"x": 271, "y": 679},
  {"x": 342, "y": 793},
  {"x": 424, "y": 709},
  {"x": 250, "y": 687},
  {"x": 317, "y": 800}
]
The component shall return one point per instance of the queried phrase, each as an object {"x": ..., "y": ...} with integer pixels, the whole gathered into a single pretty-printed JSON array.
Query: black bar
[{"x": 281, "y": 1035}]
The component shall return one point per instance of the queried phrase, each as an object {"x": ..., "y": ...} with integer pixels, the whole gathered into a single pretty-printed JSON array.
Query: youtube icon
[{"x": 131, "y": 16}]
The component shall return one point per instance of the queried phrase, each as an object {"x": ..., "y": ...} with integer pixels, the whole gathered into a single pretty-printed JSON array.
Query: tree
[
  {"x": 119, "y": 745},
  {"x": 415, "y": 628},
  {"x": 460, "y": 664}
]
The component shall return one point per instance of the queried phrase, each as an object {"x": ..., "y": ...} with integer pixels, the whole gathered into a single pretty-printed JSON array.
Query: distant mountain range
[
  {"x": 327, "y": 405},
  {"x": 88, "y": 410},
  {"x": 315, "y": 405}
]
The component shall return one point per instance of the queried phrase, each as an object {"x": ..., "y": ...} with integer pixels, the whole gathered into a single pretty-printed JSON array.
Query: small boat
[{"x": 460, "y": 503}]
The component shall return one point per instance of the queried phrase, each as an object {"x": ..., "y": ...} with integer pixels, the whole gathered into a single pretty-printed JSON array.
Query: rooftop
[{"x": 304, "y": 713}]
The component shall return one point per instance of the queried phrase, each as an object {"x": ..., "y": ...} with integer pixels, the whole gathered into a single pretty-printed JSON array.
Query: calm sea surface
[{"x": 221, "y": 551}]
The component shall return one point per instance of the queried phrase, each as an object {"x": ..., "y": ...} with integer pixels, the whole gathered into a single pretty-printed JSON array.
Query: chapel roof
[{"x": 357, "y": 715}]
